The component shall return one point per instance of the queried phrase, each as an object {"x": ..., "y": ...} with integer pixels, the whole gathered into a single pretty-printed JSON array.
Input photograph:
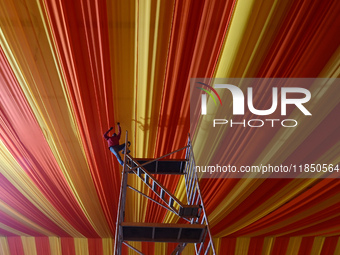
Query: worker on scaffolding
[{"x": 113, "y": 143}]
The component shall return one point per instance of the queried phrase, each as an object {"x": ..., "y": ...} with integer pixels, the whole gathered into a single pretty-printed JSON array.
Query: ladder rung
[
  {"x": 162, "y": 194},
  {"x": 146, "y": 179},
  {"x": 190, "y": 211},
  {"x": 171, "y": 202},
  {"x": 140, "y": 172},
  {"x": 154, "y": 187}
]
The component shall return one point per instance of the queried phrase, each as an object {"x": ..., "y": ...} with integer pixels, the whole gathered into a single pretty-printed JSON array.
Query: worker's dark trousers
[{"x": 115, "y": 150}]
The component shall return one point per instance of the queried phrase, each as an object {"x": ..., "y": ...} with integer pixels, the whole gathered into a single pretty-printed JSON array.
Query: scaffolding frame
[{"x": 196, "y": 230}]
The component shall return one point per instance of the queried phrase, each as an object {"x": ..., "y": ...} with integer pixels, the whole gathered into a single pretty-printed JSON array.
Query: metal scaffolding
[{"x": 196, "y": 230}]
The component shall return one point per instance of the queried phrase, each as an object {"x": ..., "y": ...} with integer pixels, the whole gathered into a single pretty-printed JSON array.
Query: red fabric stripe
[
  {"x": 15, "y": 245},
  {"x": 148, "y": 248},
  {"x": 43, "y": 246},
  {"x": 306, "y": 41},
  {"x": 306, "y": 245},
  {"x": 67, "y": 246},
  {"x": 171, "y": 247},
  {"x": 280, "y": 246},
  {"x": 255, "y": 246},
  {"x": 329, "y": 245},
  {"x": 95, "y": 246},
  {"x": 228, "y": 246}
]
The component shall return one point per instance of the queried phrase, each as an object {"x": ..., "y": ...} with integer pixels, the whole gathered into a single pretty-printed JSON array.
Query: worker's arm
[{"x": 105, "y": 135}]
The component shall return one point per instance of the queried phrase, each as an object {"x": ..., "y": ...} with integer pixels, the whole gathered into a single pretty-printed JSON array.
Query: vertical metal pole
[
  {"x": 121, "y": 205},
  {"x": 201, "y": 198}
]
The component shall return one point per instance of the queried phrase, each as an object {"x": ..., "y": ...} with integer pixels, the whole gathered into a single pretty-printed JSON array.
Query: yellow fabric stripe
[
  {"x": 4, "y": 249},
  {"x": 28, "y": 244},
  {"x": 144, "y": 84},
  {"x": 33, "y": 60},
  {"x": 55, "y": 245},
  {"x": 294, "y": 245},
  {"x": 337, "y": 248},
  {"x": 160, "y": 248},
  {"x": 142, "y": 100},
  {"x": 121, "y": 14},
  {"x": 153, "y": 23},
  {"x": 152, "y": 38},
  {"x": 217, "y": 243},
  {"x": 242, "y": 245},
  {"x": 81, "y": 246},
  {"x": 317, "y": 245},
  {"x": 108, "y": 244},
  {"x": 268, "y": 244},
  {"x": 189, "y": 249},
  {"x": 137, "y": 245},
  {"x": 251, "y": 31}
]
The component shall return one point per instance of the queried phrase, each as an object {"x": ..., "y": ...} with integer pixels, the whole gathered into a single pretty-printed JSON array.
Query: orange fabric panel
[
  {"x": 305, "y": 42},
  {"x": 193, "y": 52},
  {"x": 81, "y": 37}
]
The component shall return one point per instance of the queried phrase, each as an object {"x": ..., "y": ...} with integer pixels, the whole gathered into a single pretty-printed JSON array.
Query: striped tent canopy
[{"x": 71, "y": 69}]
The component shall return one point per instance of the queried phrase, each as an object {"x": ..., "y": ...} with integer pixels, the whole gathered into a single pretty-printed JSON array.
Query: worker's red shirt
[{"x": 113, "y": 140}]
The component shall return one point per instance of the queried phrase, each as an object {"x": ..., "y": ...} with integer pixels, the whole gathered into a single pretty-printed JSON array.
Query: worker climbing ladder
[{"x": 195, "y": 231}]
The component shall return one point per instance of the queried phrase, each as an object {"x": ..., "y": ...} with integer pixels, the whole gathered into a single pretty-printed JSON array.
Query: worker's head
[{"x": 114, "y": 134}]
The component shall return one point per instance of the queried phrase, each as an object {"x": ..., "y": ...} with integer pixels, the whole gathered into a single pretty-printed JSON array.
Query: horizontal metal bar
[{"x": 146, "y": 163}]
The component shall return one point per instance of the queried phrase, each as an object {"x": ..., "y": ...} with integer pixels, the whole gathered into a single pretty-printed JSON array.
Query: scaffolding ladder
[{"x": 195, "y": 231}]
